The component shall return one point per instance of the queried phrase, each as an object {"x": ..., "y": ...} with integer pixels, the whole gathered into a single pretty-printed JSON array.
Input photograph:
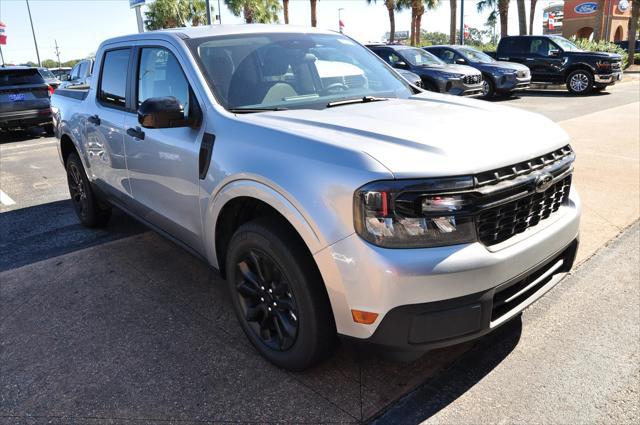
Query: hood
[
  {"x": 461, "y": 69},
  {"x": 427, "y": 135},
  {"x": 504, "y": 65},
  {"x": 603, "y": 55}
]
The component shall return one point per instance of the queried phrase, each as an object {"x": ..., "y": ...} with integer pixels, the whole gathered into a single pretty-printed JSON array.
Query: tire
[
  {"x": 48, "y": 129},
  {"x": 84, "y": 201},
  {"x": 488, "y": 88},
  {"x": 580, "y": 82},
  {"x": 278, "y": 295}
]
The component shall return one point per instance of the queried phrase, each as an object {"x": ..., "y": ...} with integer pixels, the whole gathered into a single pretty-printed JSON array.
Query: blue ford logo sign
[{"x": 586, "y": 8}]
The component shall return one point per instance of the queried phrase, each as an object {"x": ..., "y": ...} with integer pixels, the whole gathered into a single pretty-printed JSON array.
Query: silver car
[{"x": 333, "y": 196}]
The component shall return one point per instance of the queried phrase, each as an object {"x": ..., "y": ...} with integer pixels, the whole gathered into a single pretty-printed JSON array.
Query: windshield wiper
[
  {"x": 254, "y": 110},
  {"x": 364, "y": 99}
]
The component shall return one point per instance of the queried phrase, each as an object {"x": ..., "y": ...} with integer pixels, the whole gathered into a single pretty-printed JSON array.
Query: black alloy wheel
[
  {"x": 85, "y": 203},
  {"x": 266, "y": 300}
]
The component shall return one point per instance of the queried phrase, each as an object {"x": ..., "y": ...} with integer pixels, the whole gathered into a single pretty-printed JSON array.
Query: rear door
[
  {"x": 513, "y": 49},
  {"x": 22, "y": 90},
  {"x": 164, "y": 163},
  {"x": 104, "y": 122}
]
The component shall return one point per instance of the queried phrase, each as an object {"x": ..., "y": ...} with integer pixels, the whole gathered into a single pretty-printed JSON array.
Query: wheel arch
[{"x": 577, "y": 66}]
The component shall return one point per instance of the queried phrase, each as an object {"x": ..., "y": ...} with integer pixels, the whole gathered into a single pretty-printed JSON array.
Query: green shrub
[{"x": 602, "y": 46}]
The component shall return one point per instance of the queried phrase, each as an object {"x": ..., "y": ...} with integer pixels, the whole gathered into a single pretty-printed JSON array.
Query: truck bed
[{"x": 78, "y": 94}]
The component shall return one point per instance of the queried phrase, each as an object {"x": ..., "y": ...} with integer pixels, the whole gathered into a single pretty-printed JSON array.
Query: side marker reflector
[{"x": 364, "y": 317}]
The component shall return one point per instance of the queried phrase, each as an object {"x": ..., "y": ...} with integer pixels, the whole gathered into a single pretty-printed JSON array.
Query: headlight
[
  {"x": 415, "y": 213},
  {"x": 504, "y": 71},
  {"x": 451, "y": 76}
]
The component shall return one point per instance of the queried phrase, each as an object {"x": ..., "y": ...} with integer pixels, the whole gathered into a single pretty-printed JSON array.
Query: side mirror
[
  {"x": 554, "y": 53},
  {"x": 460, "y": 61},
  {"x": 161, "y": 112},
  {"x": 401, "y": 65}
]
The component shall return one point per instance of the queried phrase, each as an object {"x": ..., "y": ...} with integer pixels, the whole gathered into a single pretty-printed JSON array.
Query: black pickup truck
[{"x": 555, "y": 60}]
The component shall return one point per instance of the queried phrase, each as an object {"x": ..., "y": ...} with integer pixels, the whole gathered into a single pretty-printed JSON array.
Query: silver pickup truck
[{"x": 333, "y": 196}]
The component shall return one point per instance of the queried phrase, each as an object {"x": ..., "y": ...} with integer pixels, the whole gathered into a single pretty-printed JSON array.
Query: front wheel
[
  {"x": 278, "y": 295},
  {"x": 488, "y": 88},
  {"x": 580, "y": 82},
  {"x": 83, "y": 199}
]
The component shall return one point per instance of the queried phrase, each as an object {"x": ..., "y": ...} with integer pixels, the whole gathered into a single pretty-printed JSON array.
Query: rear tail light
[{"x": 51, "y": 90}]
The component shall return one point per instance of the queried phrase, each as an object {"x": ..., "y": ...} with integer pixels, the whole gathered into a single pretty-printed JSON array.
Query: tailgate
[{"x": 22, "y": 89}]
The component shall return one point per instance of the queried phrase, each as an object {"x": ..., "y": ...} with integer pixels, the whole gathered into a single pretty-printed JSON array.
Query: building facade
[{"x": 579, "y": 19}]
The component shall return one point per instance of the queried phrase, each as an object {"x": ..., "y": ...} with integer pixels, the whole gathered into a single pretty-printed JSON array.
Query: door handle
[
  {"x": 136, "y": 132},
  {"x": 94, "y": 119}
]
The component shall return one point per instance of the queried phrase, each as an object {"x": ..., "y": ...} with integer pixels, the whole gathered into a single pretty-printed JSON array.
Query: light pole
[
  {"x": 34, "y": 33},
  {"x": 340, "y": 19},
  {"x": 58, "y": 53},
  {"x": 462, "y": 22},
  {"x": 208, "y": 12}
]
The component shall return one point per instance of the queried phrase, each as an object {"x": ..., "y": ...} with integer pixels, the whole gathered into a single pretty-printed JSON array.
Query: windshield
[
  {"x": 419, "y": 57},
  {"x": 274, "y": 71},
  {"x": 476, "y": 56},
  {"x": 15, "y": 77},
  {"x": 46, "y": 73},
  {"x": 566, "y": 45}
]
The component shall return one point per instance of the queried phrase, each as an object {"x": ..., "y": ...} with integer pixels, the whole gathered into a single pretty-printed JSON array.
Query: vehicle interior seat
[
  {"x": 220, "y": 67},
  {"x": 274, "y": 68}
]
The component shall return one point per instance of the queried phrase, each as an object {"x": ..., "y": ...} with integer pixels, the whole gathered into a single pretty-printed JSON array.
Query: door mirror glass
[
  {"x": 161, "y": 112},
  {"x": 461, "y": 61}
]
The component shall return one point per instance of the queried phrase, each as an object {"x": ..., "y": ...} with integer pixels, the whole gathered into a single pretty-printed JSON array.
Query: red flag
[
  {"x": 3, "y": 35},
  {"x": 341, "y": 24},
  {"x": 552, "y": 21},
  {"x": 466, "y": 31}
]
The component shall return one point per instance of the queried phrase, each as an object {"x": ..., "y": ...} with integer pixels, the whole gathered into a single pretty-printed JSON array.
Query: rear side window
[
  {"x": 113, "y": 80},
  {"x": 160, "y": 75},
  {"x": 514, "y": 45},
  {"x": 17, "y": 77}
]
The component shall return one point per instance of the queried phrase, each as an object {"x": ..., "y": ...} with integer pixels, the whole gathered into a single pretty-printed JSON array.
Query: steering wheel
[{"x": 335, "y": 86}]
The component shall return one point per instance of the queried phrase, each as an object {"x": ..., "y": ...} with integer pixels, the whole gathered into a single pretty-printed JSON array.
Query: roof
[
  {"x": 12, "y": 67},
  {"x": 392, "y": 46},
  {"x": 220, "y": 30}
]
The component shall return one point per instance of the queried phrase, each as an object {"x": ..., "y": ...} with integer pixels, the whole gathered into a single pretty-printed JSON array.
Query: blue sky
[{"x": 80, "y": 26}]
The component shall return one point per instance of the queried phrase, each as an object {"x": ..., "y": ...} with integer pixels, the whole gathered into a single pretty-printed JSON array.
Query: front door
[
  {"x": 163, "y": 163},
  {"x": 544, "y": 66}
]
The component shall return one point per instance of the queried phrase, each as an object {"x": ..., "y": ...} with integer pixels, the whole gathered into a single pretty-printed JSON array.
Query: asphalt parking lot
[{"x": 121, "y": 326}]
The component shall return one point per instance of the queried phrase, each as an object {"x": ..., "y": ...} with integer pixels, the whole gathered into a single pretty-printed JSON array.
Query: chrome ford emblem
[{"x": 543, "y": 182}]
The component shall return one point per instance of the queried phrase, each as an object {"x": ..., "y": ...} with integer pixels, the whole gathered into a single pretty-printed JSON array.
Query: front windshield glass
[
  {"x": 566, "y": 45},
  {"x": 476, "y": 56},
  {"x": 46, "y": 73},
  {"x": 293, "y": 71},
  {"x": 419, "y": 57}
]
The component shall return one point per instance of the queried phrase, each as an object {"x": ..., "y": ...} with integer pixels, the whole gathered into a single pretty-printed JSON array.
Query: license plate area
[{"x": 17, "y": 97}]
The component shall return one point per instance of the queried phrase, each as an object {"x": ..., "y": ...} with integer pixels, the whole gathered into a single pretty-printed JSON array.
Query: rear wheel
[
  {"x": 278, "y": 295},
  {"x": 580, "y": 82},
  {"x": 84, "y": 200},
  {"x": 48, "y": 129}
]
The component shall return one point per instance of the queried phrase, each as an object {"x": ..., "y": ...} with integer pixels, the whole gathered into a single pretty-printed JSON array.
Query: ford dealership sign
[{"x": 586, "y": 8}]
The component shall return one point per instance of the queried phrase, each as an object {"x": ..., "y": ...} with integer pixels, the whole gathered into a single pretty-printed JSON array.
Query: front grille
[
  {"x": 506, "y": 173},
  {"x": 498, "y": 224},
  {"x": 472, "y": 79}
]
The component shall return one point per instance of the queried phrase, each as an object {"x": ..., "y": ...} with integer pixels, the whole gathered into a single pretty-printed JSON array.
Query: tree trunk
[
  {"x": 285, "y": 8},
  {"x": 532, "y": 13},
  {"x": 412, "y": 31},
  {"x": 392, "y": 20},
  {"x": 452, "y": 21},
  {"x": 248, "y": 14},
  {"x": 314, "y": 18},
  {"x": 633, "y": 28},
  {"x": 503, "y": 10},
  {"x": 419, "y": 23},
  {"x": 597, "y": 27},
  {"x": 522, "y": 17}
]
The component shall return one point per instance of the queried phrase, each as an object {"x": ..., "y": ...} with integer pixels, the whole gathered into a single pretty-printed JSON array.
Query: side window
[
  {"x": 393, "y": 58},
  {"x": 448, "y": 56},
  {"x": 539, "y": 47},
  {"x": 113, "y": 80},
  {"x": 514, "y": 46},
  {"x": 75, "y": 72},
  {"x": 82, "y": 72},
  {"x": 160, "y": 75}
]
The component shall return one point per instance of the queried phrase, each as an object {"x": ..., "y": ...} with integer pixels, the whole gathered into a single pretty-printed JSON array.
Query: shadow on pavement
[
  {"x": 452, "y": 383},
  {"x": 31, "y": 133},
  {"x": 32, "y": 234},
  {"x": 140, "y": 330}
]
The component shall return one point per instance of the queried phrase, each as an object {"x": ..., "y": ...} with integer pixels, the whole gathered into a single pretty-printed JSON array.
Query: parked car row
[{"x": 333, "y": 196}]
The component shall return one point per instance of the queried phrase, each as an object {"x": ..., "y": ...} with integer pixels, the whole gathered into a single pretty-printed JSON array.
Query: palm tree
[
  {"x": 522, "y": 17},
  {"x": 262, "y": 11},
  {"x": 314, "y": 15},
  {"x": 597, "y": 27},
  {"x": 175, "y": 13},
  {"x": 532, "y": 12},
  {"x": 285, "y": 7},
  {"x": 417, "y": 10},
  {"x": 453, "y": 5},
  {"x": 633, "y": 29},
  {"x": 503, "y": 11},
  {"x": 391, "y": 6}
]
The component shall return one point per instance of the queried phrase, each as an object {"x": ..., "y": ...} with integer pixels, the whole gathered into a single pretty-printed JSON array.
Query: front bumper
[
  {"x": 365, "y": 277},
  {"x": 510, "y": 82},
  {"x": 608, "y": 79},
  {"x": 30, "y": 117},
  {"x": 458, "y": 87}
]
